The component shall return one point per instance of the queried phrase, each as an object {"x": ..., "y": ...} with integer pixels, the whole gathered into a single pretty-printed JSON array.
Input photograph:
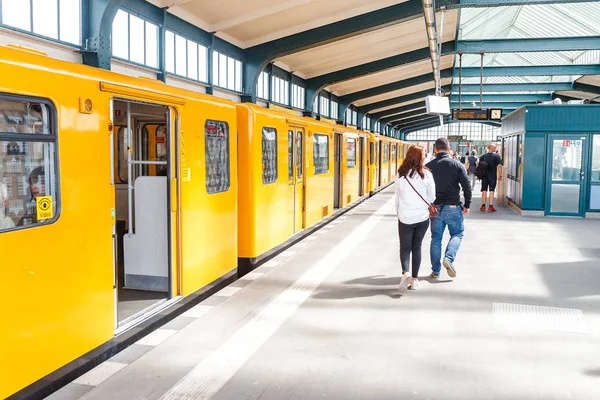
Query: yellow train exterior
[{"x": 118, "y": 186}]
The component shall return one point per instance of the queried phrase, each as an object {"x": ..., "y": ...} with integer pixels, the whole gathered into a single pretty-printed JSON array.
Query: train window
[
  {"x": 269, "y": 155},
  {"x": 290, "y": 154},
  {"x": 28, "y": 175},
  {"x": 300, "y": 157},
  {"x": 351, "y": 149},
  {"x": 321, "y": 153},
  {"x": 122, "y": 154},
  {"x": 216, "y": 146},
  {"x": 394, "y": 153},
  {"x": 386, "y": 152},
  {"x": 372, "y": 151}
]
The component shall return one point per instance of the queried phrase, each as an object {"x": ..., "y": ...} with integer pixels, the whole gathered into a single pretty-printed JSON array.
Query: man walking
[
  {"x": 491, "y": 177},
  {"x": 447, "y": 175}
]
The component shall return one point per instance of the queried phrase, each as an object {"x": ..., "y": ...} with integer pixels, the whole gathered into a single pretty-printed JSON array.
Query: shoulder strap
[{"x": 413, "y": 188}]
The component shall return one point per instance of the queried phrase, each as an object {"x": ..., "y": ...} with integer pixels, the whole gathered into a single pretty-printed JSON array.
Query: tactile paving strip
[{"x": 540, "y": 318}]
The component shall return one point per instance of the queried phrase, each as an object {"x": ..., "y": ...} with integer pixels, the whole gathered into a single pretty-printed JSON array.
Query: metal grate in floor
[{"x": 540, "y": 318}]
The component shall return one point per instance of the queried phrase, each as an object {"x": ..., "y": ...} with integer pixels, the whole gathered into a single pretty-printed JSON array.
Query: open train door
[{"x": 296, "y": 176}]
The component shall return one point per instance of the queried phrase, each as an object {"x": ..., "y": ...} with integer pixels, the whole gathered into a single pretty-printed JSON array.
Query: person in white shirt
[{"x": 415, "y": 190}]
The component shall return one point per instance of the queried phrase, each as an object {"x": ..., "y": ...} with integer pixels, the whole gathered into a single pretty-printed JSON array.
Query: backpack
[{"x": 482, "y": 167}]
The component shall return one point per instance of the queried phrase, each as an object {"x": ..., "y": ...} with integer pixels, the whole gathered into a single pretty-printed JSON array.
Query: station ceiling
[{"x": 496, "y": 27}]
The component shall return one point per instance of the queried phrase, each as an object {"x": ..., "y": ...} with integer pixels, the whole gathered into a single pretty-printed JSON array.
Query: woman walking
[
  {"x": 415, "y": 190},
  {"x": 471, "y": 166}
]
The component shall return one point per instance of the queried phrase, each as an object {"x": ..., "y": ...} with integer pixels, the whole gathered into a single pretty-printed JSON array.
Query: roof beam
[
  {"x": 398, "y": 100},
  {"x": 412, "y": 113},
  {"x": 584, "y": 87},
  {"x": 528, "y": 45},
  {"x": 433, "y": 121},
  {"x": 97, "y": 30},
  {"x": 318, "y": 83},
  {"x": 257, "y": 57},
  {"x": 514, "y": 87},
  {"x": 397, "y": 110},
  {"x": 501, "y": 3},
  {"x": 542, "y": 70},
  {"x": 468, "y": 98}
]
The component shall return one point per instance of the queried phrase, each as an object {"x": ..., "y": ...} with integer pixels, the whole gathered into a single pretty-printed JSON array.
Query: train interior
[{"x": 142, "y": 235}]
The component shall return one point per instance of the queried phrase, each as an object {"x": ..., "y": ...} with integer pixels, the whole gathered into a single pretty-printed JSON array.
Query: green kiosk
[{"x": 551, "y": 156}]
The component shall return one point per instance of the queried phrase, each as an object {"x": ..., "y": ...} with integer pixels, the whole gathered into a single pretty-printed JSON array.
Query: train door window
[
  {"x": 300, "y": 157},
  {"x": 28, "y": 165},
  {"x": 161, "y": 149},
  {"x": 216, "y": 134},
  {"x": 351, "y": 153},
  {"x": 122, "y": 154},
  {"x": 321, "y": 153},
  {"x": 372, "y": 152},
  {"x": 269, "y": 155},
  {"x": 290, "y": 154},
  {"x": 386, "y": 152}
]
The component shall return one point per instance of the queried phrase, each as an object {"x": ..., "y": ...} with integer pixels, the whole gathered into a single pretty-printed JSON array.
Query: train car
[
  {"x": 69, "y": 135},
  {"x": 286, "y": 174}
]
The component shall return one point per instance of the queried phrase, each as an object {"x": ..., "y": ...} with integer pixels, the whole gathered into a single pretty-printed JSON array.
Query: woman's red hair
[{"x": 413, "y": 162}]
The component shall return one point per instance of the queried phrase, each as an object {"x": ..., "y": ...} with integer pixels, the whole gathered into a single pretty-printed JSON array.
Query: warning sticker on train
[{"x": 44, "y": 207}]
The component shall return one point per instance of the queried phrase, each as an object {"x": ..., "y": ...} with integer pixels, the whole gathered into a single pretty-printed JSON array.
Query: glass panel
[
  {"x": 70, "y": 21},
  {"x": 151, "y": 45},
  {"x": 386, "y": 152},
  {"x": 217, "y": 156},
  {"x": 215, "y": 70},
  {"x": 299, "y": 154},
  {"x": 24, "y": 117},
  {"x": 596, "y": 159},
  {"x": 122, "y": 154},
  {"x": 161, "y": 149},
  {"x": 203, "y": 63},
  {"x": 269, "y": 155},
  {"x": 180, "y": 55},
  {"x": 238, "y": 75},
  {"x": 170, "y": 52},
  {"x": 321, "y": 153},
  {"x": 222, "y": 70},
  {"x": 595, "y": 197},
  {"x": 351, "y": 153},
  {"x": 136, "y": 39},
  {"x": 27, "y": 171},
  {"x": 192, "y": 68},
  {"x": 120, "y": 29},
  {"x": 290, "y": 154},
  {"x": 45, "y": 18},
  {"x": 230, "y": 73},
  {"x": 565, "y": 198},
  {"x": 566, "y": 160},
  {"x": 16, "y": 13}
]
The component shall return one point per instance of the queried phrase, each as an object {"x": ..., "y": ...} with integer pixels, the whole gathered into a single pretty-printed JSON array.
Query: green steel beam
[
  {"x": 541, "y": 70},
  {"x": 432, "y": 120},
  {"x": 398, "y": 100},
  {"x": 318, "y": 83},
  {"x": 503, "y": 3},
  {"x": 397, "y": 110},
  {"x": 584, "y": 87},
  {"x": 488, "y": 98},
  {"x": 348, "y": 99},
  {"x": 514, "y": 87},
  {"x": 97, "y": 21},
  {"x": 412, "y": 113},
  {"x": 257, "y": 57},
  {"x": 577, "y": 43}
]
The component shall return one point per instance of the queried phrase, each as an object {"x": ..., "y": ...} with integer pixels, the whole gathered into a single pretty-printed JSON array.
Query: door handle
[{"x": 582, "y": 175}]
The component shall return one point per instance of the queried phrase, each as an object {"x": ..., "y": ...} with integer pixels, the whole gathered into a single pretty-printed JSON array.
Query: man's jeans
[{"x": 452, "y": 217}]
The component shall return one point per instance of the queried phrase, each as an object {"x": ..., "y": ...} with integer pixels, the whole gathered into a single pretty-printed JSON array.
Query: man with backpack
[{"x": 489, "y": 170}]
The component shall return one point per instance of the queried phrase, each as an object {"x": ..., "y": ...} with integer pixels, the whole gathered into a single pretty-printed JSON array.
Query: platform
[{"x": 323, "y": 320}]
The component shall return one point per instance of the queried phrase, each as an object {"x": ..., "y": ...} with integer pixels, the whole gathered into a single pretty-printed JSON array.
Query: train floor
[{"x": 324, "y": 320}]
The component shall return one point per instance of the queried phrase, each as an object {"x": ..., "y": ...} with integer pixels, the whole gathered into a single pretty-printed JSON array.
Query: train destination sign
[{"x": 471, "y": 114}]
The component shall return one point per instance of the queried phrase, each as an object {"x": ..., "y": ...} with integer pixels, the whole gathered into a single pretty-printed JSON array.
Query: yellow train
[{"x": 133, "y": 196}]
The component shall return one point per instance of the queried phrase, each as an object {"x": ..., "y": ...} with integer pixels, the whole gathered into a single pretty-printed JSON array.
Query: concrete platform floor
[{"x": 324, "y": 321}]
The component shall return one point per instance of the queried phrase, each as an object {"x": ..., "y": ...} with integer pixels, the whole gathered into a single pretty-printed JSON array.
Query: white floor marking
[
  {"x": 228, "y": 291},
  {"x": 208, "y": 377},
  {"x": 156, "y": 337},
  {"x": 197, "y": 311},
  {"x": 300, "y": 245},
  {"x": 287, "y": 253},
  {"x": 99, "y": 374},
  {"x": 271, "y": 263},
  {"x": 252, "y": 276}
]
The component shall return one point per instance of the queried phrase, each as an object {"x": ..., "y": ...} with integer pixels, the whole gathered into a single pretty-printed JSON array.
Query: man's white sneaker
[{"x": 404, "y": 281}]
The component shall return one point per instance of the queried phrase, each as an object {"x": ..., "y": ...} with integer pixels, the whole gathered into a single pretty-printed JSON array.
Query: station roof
[{"x": 375, "y": 54}]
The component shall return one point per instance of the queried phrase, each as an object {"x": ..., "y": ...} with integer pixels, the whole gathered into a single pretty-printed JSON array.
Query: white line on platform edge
[{"x": 208, "y": 377}]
